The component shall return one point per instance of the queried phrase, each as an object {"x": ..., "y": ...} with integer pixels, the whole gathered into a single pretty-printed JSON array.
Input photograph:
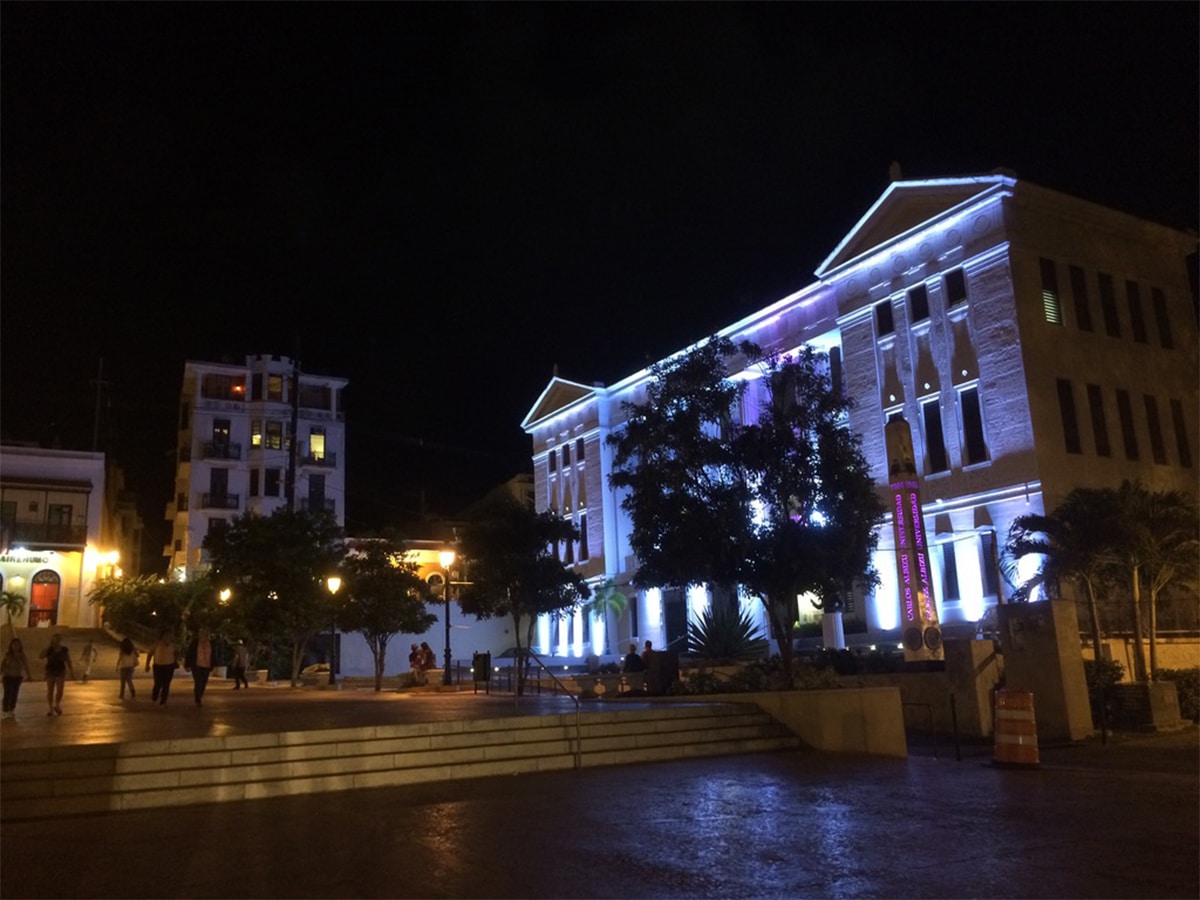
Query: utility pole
[
  {"x": 289, "y": 483},
  {"x": 100, "y": 384}
]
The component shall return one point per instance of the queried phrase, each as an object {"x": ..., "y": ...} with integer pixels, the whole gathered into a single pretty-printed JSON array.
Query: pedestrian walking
[
  {"x": 58, "y": 663},
  {"x": 164, "y": 656},
  {"x": 199, "y": 661},
  {"x": 15, "y": 669},
  {"x": 87, "y": 657},
  {"x": 127, "y": 662},
  {"x": 241, "y": 662}
]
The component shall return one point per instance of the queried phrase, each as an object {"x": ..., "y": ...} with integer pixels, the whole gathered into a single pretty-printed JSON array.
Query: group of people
[
  {"x": 164, "y": 658},
  {"x": 420, "y": 660},
  {"x": 635, "y": 662}
]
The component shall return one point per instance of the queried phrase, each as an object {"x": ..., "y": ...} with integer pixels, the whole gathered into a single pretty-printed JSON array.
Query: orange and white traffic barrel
[{"x": 1016, "y": 729}]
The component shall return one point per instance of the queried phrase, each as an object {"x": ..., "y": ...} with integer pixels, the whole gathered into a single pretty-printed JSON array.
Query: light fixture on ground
[
  {"x": 333, "y": 583},
  {"x": 446, "y": 558}
]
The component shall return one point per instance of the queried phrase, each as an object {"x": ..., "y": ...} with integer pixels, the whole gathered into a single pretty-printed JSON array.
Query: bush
[
  {"x": 1187, "y": 686},
  {"x": 1101, "y": 675}
]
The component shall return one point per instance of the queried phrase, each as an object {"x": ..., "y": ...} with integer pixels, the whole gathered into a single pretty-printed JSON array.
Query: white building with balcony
[
  {"x": 253, "y": 437},
  {"x": 1034, "y": 342}
]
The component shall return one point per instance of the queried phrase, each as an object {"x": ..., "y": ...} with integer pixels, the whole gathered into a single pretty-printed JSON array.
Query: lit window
[
  {"x": 316, "y": 443},
  {"x": 256, "y": 433},
  {"x": 275, "y": 387},
  {"x": 274, "y": 440}
]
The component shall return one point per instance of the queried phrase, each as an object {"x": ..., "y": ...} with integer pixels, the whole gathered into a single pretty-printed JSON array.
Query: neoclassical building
[{"x": 1034, "y": 342}]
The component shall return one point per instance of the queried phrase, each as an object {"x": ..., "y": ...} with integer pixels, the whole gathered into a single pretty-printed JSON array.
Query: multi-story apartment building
[
  {"x": 253, "y": 437},
  {"x": 61, "y": 530},
  {"x": 1034, "y": 343}
]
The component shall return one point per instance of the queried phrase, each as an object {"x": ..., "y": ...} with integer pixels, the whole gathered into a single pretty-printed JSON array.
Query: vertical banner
[{"x": 920, "y": 633}]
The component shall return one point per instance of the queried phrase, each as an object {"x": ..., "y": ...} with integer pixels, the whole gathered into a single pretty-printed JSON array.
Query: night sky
[{"x": 441, "y": 202}]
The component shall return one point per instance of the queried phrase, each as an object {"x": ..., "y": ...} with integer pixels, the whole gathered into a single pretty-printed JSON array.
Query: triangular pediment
[
  {"x": 906, "y": 206},
  {"x": 559, "y": 394}
]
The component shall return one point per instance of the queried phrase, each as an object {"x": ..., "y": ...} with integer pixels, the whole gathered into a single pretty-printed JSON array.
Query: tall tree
[
  {"x": 607, "y": 601},
  {"x": 514, "y": 570},
  {"x": 1075, "y": 543},
  {"x": 276, "y": 567},
  {"x": 769, "y": 491},
  {"x": 140, "y": 607},
  {"x": 382, "y": 596}
]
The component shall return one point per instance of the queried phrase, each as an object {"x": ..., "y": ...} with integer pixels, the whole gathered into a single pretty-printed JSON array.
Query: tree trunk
[
  {"x": 1094, "y": 615},
  {"x": 777, "y": 613},
  {"x": 380, "y": 653},
  {"x": 1139, "y": 659},
  {"x": 1153, "y": 634}
]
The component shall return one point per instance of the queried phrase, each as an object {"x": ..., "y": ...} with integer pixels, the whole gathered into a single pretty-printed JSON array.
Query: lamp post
[
  {"x": 333, "y": 583},
  {"x": 446, "y": 558}
]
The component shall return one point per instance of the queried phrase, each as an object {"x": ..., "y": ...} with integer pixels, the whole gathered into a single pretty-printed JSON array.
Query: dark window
[
  {"x": 583, "y": 540},
  {"x": 254, "y": 477},
  {"x": 185, "y": 418},
  {"x": 935, "y": 441},
  {"x": 956, "y": 287},
  {"x": 1136, "y": 321},
  {"x": 552, "y": 461},
  {"x": 1157, "y": 448},
  {"x": 315, "y": 396},
  {"x": 222, "y": 387},
  {"x": 271, "y": 482},
  {"x": 883, "y": 318},
  {"x": 1108, "y": 305},
  {"x": 950, "y": 572},
  {"x": 274, "y": 438},
  {"x": 566, "y": 454},
  {"x": 569, "y": 554},
  {"x": 972, "y": 419},
  {"x": 256, "y": 386},
  {"x": 218, "y": 483},
  {"x": 579, "y": 450},
  {"x": 215, "y": 525},
  {"x": 220, "y": 432},
  {"x": 1159, "y": 299},
  {"x": 1125, "y": 414},
  {"x": 1051, "y": 307},
  {"x": 991, "y": 574},
  {"x": 1182, "y": 444},
  {"x": 316, "y": 492},
  {"x": 1099, "y": 425},
  {"x": 918, "y": 303},
  {"x": 1083, "y": 306},
  {"x": 1070, "y": 422},
  {"x": 835, "y": 370}
]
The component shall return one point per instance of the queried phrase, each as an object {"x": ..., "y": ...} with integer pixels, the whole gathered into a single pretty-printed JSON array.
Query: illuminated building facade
[
  {"x": 1033, "y": 343},
  {"x": 249, "y": 442},
  {"x": 57, "y": 538}
]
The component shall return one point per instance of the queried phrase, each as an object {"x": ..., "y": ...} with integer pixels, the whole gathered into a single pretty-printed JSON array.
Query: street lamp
[
  {"x": 446, "y": 558},
  {"x": 333, "y": 583}
]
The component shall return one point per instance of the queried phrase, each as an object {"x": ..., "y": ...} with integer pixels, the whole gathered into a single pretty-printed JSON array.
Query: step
[{"x": 49, "y": 782}]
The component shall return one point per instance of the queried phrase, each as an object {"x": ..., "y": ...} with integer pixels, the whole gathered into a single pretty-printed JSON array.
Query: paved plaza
[{"x": 1093, "y": 820}]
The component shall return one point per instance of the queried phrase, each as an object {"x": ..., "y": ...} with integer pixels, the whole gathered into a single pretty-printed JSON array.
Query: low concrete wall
[{"x": 851, "y": 720}]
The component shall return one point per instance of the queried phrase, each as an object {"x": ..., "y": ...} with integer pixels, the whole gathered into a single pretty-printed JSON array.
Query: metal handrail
[{"x": 517, "y": 698}]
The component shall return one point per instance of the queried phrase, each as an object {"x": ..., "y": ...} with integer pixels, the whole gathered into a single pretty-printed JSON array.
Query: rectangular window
[
  {"x": 579, "y": 450},
  {"x": 316, "y": 492},
  {"x": 222, "y": 387},
  {"x": 1083, "y": 306},
  {"x": 955, "y": 283},
  {"x": 256, "y": 386},
  {"x": 316, "y": 442},
  {"x": 315, "y": 396},
  {"x": 274, "y": 438},
  {"x": 835, "y": 370},
  {"x": 974, "y": 447},
  {"x": 1182, "y": 444},
  {"x": 552, "y": 461},
  {"x": 949, "y": 572},
  {"x": 218, "y": 483},
  {"x": 1108, "y": 305},
  {"x": 566, "y": 455},
  {"x": 991, "y": 556},
  {"x": 220, "y": 432},
  {"x": 1070, "y": 422},
  {"x": 918, "y": 303},
  {"x": 1051, "y": 307},
  {"x": 1136, "y": 321},
  {"x": 256, "y": 433},
  {"x": 1157, "y": 448},
  {"x": 583, "y": 541},
  {"x": 1099, "y": 425},
  {"x": 271, "y": 482},
  {"x": 254, "y": 477},
  {"x": 215, "y": 525},
  {"x": 185, "y": 417},
  {"x": 935, "y": 440},
  {"x": 275, "y": 388},
  {"x": 1125, "y": 414},
  {"x": 1159, "y": 299},
  {"x": 883, "y": 318}
]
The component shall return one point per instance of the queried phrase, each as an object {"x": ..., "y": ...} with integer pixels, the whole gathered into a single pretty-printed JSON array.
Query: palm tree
[
  {"x": 607, "y": 599},
  {"x": 1075, "y": 542},
  {"x": 13, "y": 603},
  {"x": 1163, "y": 535}
]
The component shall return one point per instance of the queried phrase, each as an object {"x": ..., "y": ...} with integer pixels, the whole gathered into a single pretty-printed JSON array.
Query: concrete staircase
[{"x": 49, "y": 782}]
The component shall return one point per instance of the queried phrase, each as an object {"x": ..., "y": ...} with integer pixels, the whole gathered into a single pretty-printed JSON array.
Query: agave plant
[{"x": 725, "y": 634}]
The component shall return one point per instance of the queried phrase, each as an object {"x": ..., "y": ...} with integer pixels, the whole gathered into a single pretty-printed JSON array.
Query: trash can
[{"x": 481, "y": 671}]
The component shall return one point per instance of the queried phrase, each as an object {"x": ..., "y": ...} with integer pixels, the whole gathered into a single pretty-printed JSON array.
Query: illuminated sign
[
  {"x": 921, "y": 636},
  {"x": 18, "y": 557}
]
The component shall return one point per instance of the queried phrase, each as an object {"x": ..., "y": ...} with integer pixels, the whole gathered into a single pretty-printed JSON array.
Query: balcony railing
[
  {"x": 324, "y": 461},
  {"x": 24, "y": 533},
  {"x": 221, "y": 450},
  {"x": 307, "y": 505},
  {"x": 220, "y": 501}
]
